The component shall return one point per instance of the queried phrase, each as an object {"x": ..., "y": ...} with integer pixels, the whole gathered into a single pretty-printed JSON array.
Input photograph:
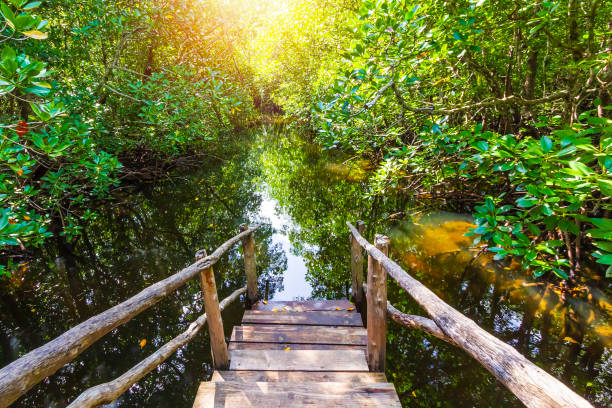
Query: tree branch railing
[
  {"x": 22, "y": 374},
  {"x": 528, "y": 382},
  {"x": 110, "y": 391}
]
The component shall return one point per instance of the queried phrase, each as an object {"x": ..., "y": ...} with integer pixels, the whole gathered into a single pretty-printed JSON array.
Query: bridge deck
[{"x": 298, "y": 354}]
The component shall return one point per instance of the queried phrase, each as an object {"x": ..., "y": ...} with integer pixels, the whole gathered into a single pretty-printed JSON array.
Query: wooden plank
[
  {"x": 262, "y": 333},
  {"x": 279, "y": 394},
  {"x": 299, "y": 360},
  {"x": 319, "y": 318},
  {"x": 238, "y": 345},
  {"x": 304, "y": 305},
  {"x": 299, "y": 376}
]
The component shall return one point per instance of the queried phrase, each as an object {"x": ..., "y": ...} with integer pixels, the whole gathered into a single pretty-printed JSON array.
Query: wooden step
[
  {"x": 262, "y": 333},
  {"x": 238, "y": 345},
  {"x": 299, "y": 360},
  {"x": 310, "y": 394},
  {"x": 299, "y": 376},
  {"x": 317, "y": 318},
  {"x": 304, "y": 305}
]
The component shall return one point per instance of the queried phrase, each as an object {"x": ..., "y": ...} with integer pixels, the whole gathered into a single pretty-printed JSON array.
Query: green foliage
[
  {"x": 419, "y": 78},
  {"x": 109, "y": 81}
]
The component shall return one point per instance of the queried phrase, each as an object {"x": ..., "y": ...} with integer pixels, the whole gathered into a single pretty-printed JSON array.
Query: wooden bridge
[
  {"x": 309, "y": 353},
  {"x": 298, "y": 354}
]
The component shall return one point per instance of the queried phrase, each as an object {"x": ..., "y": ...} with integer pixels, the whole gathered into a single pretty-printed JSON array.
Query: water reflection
[
  {"x": 566, "y": 333},
  {"x": 294, "y": 277},
  {"x": 305, "y": 196}
]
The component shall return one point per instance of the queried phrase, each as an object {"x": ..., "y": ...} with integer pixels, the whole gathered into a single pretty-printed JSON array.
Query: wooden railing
[
  {"x": 532, "y": 385},
  {"x": 21, "y": 375}
]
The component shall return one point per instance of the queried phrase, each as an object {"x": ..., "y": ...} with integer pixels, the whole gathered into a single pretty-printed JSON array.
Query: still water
[{"x": 304, "y": 197}]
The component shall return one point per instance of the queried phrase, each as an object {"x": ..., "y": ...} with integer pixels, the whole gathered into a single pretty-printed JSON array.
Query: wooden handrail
[
  {"x": 110, "y": 391},
  {"x": 532, "y": 385},
  {"x": 22, "y": 374}
]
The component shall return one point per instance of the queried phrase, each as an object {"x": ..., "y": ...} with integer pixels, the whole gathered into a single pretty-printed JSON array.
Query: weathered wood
[
  {"x": 239, "y": 345},
  {"x": 299, "y": 376},
  {"x": 304, "y": 305},
  {"x": 21, "y": 375},
  {"x": 110, "y": 391},
  {"x": 295, "y": 395},
  {"x": 417, "y": 322},
  {"x": 318, "y": 318},
  {"x": 262, "y": 333},
  {"x": 299, "y": 360},
  {"x": 377, "y": 308},
  {"x": 532, "y": 385},
  {"x": 357, "y": 267},
  {"x": 250, "y": 264},
  {"x": 215, "y": 322}
]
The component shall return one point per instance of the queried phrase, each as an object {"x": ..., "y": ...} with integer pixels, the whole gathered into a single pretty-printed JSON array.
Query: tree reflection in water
[{"x": 156, "y": 230}]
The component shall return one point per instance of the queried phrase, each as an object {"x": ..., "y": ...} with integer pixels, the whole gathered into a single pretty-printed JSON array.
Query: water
[{"x": 304, "y": 196}]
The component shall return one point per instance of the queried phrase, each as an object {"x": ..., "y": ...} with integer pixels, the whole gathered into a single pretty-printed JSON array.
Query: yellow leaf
[
  {"x": 210, "y": 226},
  {"x": 37, "y": 35},
  {"x": 143, "y": 343},
  {"x": 196, "y": 198},
  {"x": 338, "y": 308},
  {"x": 275, "y": 310},
  {"x": 413, "y": 394},
  {"x": 350, "y": 309},
  {"x": 25, "y": 217},
  {"x": 33, "y": 310},
  {"x": 570, "y": 340},
  {"x": 287, "y": 348},
  {"x": 265, "y": 302}
]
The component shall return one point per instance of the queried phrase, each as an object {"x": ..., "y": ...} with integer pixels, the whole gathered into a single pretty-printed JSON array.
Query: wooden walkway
[{"x": 298, "y": 354}]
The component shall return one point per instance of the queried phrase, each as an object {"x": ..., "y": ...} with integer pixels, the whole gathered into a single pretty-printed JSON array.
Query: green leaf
[
  {"x": 8, "y": 15},
  {"x": 602, "y": 223},
  {"x": 606, "y": 259},
  {"x": 482, "y": 146},
  {"x": 604, "y": 245},
  {"x": 580, "y": 168},
  {"x": 546, "y": 144},
  {"x": 605, "y": 186},
  {"x": 560, "y": 273},
  {"x": 32, "y": 5},
  {"x": 526, "y": 202}
]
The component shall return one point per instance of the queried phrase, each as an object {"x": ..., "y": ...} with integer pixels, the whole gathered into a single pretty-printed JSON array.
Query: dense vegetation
[
  {"x": 509, "y": 100},
  {"x": 96, "y": 92},
  {"x": 496, "y": 107}
]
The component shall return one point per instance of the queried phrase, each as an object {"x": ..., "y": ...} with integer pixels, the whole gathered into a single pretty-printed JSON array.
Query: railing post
[
  {"x": 250, "y": 266},
  {"x": 357, "y": 267},
  {"x": 377, "y": 308},
  {"x": 213, "y": 316}
]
